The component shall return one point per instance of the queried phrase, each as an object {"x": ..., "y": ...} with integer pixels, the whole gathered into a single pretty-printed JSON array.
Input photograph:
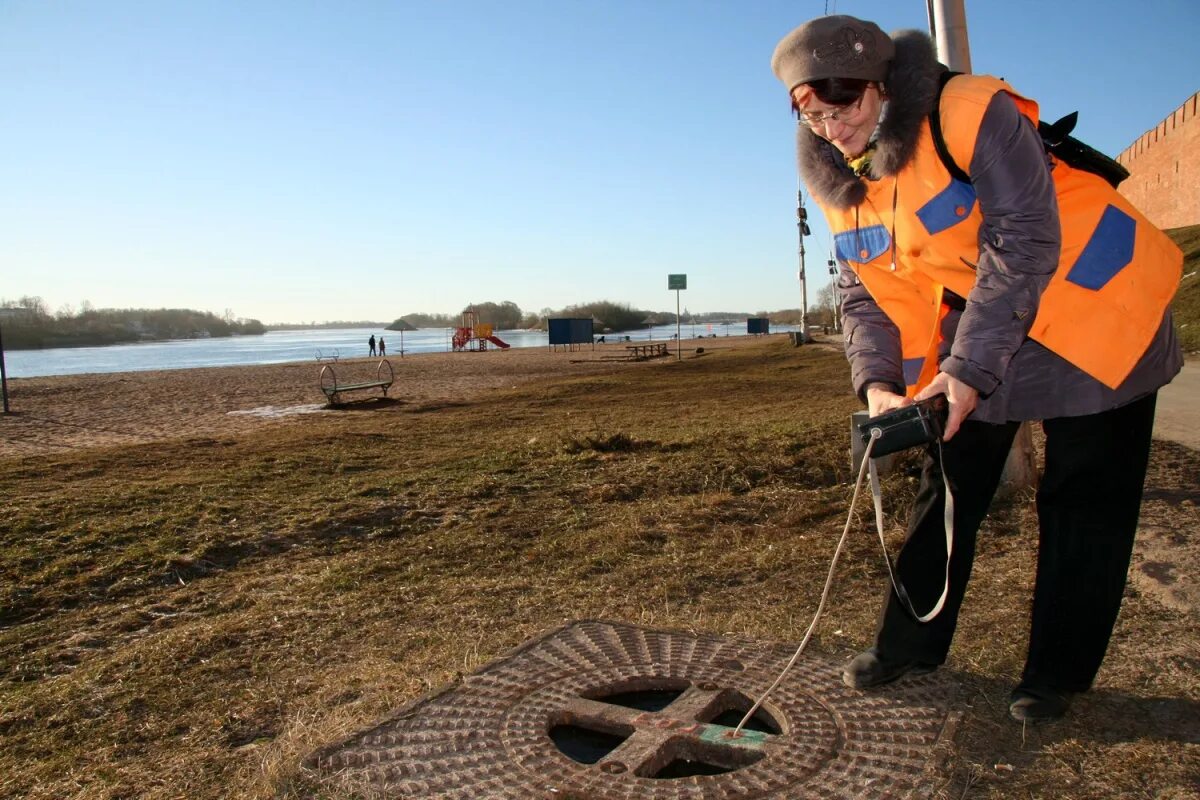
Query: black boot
[
  {"x": 871, "y": 668},
  {"x": 1038, "y": 703}
]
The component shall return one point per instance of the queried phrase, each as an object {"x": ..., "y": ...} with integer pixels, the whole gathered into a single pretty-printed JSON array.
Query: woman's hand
[
  {"x": 881, "y": 398},
  {"x": 962, "y": 399}
]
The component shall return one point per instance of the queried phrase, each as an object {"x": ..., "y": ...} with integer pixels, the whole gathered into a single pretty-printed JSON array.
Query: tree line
[
  {"x": 606, "y": 315},
  {"x": 33, "y": 326},
  {"x": 36, "y": 327}
]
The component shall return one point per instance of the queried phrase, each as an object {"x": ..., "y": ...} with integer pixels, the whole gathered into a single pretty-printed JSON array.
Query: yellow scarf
[{"x": 861, "y": 164}]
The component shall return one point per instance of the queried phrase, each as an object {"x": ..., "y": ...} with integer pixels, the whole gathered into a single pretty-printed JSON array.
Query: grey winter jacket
[{"x": 985, "y": 343}]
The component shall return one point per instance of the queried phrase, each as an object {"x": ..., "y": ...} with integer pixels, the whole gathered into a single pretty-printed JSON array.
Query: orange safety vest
[{"x": 1105, "y": 303}]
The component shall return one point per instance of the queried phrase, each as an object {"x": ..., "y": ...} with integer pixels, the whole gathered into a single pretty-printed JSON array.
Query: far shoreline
[
  {"x": 57, "y": 413},
  {"x": 301, "y": 345}
]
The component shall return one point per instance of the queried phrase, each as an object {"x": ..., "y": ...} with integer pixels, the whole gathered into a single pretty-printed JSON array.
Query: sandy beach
[{"x": 90, "y": 410}]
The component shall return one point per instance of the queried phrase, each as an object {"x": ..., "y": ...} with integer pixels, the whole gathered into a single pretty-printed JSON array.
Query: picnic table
[{"x": 640, "y": 351}]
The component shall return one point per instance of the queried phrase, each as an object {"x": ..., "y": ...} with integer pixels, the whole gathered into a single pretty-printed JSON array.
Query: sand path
[{"x": 102, "y": 409}]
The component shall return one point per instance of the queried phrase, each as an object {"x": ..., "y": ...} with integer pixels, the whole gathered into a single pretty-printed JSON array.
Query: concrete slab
[{"x": 1177, "y": 417}]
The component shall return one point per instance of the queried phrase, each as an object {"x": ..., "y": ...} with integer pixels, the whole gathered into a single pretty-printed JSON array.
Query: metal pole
[
  {"x": 836, "y": 295},
  {"x": 3, "y": 373},
  {"x": 3, "y": 370},
  {"x": 678, "y": 333},
  {"x": 948, "y": 28},
  {"x": 802, "y": 229}
]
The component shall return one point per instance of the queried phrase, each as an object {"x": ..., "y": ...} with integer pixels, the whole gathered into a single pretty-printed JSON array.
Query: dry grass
[
  {"x": 1186, "y": 304},
  {"x": 190, "y": 617}
]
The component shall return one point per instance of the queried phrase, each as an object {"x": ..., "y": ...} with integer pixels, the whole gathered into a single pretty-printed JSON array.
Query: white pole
[
  {"x": 678, "y": 334},
  {"x": 948, "y": 27}
]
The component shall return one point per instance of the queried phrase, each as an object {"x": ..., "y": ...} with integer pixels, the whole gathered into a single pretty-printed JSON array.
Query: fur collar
[{"x": 912, "y": 84}]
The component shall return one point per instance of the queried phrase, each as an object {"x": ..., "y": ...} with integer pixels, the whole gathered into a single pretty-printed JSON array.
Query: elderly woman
[{"x": 1018, "y": 286}]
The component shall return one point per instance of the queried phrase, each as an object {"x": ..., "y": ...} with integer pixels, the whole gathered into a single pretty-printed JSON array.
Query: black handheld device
[{"x": 910, "y": 426}]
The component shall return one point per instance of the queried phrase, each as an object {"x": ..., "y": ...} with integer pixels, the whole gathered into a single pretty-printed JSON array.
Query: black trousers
[{"x": 1087, "y": 503}]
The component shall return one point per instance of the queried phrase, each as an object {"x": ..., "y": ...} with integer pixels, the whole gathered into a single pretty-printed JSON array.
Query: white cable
[{"x": 862, "y": 471}]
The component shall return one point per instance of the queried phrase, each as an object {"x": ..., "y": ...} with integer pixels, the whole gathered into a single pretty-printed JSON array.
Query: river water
[{"x": 276, "y": 347}]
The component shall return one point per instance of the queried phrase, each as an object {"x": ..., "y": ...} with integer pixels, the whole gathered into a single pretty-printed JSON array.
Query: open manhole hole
[{"x": 607, "y": 711}]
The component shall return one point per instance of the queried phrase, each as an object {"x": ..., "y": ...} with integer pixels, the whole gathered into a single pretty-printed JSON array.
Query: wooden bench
[
  {"x": 333, "y": 391},
  {"x": 640, "y": 351}
]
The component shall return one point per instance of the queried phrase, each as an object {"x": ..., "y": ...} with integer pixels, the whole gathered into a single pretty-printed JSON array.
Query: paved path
[{"x": 1177, "y": 416}]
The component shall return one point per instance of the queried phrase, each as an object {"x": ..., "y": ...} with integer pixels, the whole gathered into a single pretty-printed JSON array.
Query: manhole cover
[{"x": 608, "y": 711}]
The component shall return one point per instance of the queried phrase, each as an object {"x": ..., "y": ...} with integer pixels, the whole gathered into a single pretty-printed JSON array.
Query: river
[{"x": 280, "y": 346}]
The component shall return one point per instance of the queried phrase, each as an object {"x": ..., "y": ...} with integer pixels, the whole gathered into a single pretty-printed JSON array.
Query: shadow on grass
[
  {"x": 24, "y": 605},
  {"x": 1098, "y": 717},
  {"x": 366, "y": 404},
  {"x": 1125, "y": 718},
  {"x": 1173, "y": 496}
]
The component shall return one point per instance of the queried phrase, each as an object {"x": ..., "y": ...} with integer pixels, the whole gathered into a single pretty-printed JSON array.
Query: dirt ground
[
  {"x": 209, "y": 574},
  {"x": 82, "y": 411}
]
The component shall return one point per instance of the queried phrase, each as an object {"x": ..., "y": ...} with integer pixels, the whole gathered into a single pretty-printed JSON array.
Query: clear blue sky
[{"x": 299, "y": 161}]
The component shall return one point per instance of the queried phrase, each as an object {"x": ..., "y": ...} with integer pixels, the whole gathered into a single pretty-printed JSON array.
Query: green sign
[{"x": 677, "y": 281}]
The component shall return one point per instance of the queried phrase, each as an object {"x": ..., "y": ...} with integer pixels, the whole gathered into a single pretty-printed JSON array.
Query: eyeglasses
[{"x": 817, "y": 118}]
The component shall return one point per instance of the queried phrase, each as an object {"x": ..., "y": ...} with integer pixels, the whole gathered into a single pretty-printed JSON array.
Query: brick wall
[{"x": 1164, "y": 167}]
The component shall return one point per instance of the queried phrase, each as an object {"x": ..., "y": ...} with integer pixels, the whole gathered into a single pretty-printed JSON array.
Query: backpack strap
[
  {"x": 935, "y": 129},
  {"x": 1056, "y": 139}
]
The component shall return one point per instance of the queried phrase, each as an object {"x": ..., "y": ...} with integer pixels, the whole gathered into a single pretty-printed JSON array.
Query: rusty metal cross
[{"x": 658, "y": 738}]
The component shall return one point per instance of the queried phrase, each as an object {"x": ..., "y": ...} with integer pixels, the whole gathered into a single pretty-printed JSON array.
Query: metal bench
[
  {"x": 640, "y": 351},
  {"x": 334, "y": 356},
  {"x": 333, "y": 391}
]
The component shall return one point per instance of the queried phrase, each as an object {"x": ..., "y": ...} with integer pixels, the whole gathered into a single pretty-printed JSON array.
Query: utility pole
[
  {"x": 948, "y": 29},
  {"x": 802, "y": 227},
  {"x": 835, "y": 295}
]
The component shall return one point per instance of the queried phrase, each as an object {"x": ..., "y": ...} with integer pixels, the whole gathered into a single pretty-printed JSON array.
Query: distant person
[
  {"x": 1018, "y": 295},
  {"x": 382, "y": 347},
  {"x": 371, "y": 344}
]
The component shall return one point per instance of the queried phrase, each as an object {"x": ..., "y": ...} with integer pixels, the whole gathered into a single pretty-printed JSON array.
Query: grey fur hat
[{"x": 837, "y": 46}]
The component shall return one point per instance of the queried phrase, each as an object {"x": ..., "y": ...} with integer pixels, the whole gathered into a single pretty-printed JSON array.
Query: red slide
[{"x": 496, "y": 340}]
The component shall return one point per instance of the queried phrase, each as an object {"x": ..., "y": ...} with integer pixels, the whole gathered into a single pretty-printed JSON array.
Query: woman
[{"x": 1030, "y": 291}]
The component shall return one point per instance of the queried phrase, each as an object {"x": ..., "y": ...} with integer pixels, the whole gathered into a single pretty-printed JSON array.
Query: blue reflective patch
[
  {"x": 862, "y": 245},
  {"x": 912, "y": 369},
  {"x": 948, "y": 207},
  {"x": 1108, "y": 251}
]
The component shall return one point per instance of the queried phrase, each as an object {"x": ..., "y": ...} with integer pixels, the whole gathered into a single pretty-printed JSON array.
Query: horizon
[
  {"x": 5, "y": 303},
  {"x": 314, "y": 161}
]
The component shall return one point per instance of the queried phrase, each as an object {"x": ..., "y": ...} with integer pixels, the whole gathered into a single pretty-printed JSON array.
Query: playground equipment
[{"x": 475, "y": 335}]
